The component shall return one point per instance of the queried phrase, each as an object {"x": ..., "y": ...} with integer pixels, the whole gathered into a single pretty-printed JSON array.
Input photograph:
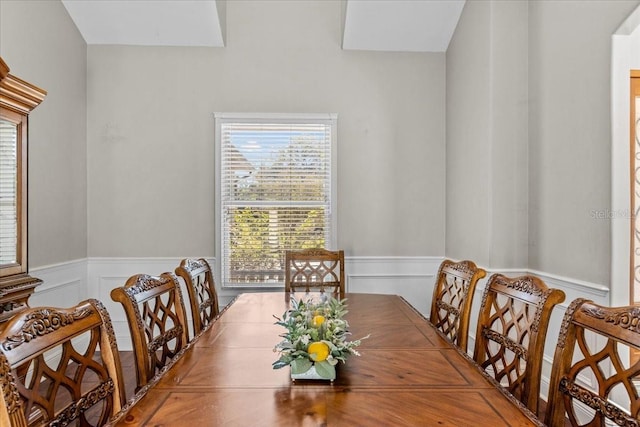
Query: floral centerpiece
[{"x": 316, "y": 338}]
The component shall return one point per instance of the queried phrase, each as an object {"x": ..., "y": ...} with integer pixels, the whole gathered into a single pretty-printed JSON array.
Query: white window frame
[{"x": 219, "y": 119}]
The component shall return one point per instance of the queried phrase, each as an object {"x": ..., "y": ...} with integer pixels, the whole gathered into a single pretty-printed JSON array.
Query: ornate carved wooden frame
[
  {"x": 203, "y": 297},
  {"x": 452, "y": 299},
  {"x": 26, "y": 343},
  {"x": 620, "y": 327},
  {"x": 17, "y": 99},
  {"x": 158, "y": 328},
  {"x": 314, "y": 269},
  {"x": 514, "y": 315}
]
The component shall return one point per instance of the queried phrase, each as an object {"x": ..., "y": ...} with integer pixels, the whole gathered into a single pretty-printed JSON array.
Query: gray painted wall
[
  {"x": 528, "y": 96},
  {"x": 469, "y": 136},
  {"x": 41, "y": 45},
  {"x": 151, "y": 135},
  {"x": 570, "y": 135},
  {"x": 132, "y": 128},
  {"x": 487, "y": 136}
]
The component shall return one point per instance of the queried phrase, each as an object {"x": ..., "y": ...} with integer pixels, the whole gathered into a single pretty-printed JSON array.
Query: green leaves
[
  {"x": 326, "y": 370},
  {"x": 301, "y": 331},
  {"x": 279, "y": 364},
  {"x": 300, "y": 366}
]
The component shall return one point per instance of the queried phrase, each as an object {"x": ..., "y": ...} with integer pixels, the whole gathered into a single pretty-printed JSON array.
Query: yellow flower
[
  {"x": 317, "y": 321},
  {"x": 318, "y": 351}
]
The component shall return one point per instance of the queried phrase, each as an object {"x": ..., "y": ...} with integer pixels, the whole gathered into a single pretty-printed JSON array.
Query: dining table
[{"x": 407, "y": 374}]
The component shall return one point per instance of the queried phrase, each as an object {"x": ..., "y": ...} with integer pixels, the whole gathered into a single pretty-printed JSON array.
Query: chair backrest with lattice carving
[
  {"x": 593, "y": 380},
  {"x": 203, "y": 298},
  {"x": 314, "y": 270},
  {"x": 60, "y": 366},
  {"x": 157, "y": 322},
  {"x": 510, "y": 335},
  {"x": 453, "y": 297}
]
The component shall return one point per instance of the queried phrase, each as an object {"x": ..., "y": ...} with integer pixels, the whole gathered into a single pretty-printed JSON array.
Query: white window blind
[
  {"x": 8, "y": 192},
  {"x": 275, "y": 193}
]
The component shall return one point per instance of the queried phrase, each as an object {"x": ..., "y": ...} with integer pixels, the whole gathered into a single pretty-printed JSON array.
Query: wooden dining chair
[
  {"x": 203, "y": 297},
  {"x": 60, "y": 366},
  {"x": 512, "y": 327},
  {"x": 314, "y": 270},
  {"x": 157, "y": 323},
  {"x": 591, "y": 367},
  {"x": 452, "y": 299}
]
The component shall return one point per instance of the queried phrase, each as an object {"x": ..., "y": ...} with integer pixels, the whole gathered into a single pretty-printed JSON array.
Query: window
[{"x": 275, "y": 191}]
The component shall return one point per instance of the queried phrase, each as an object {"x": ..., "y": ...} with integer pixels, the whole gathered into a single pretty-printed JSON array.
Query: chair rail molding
[{"x": 413, "y": 278}]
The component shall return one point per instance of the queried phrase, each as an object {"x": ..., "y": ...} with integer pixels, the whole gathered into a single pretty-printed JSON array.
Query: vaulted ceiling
[{"x": 386, "y": 25}]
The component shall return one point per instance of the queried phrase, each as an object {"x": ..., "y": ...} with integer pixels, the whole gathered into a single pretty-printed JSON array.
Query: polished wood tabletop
[{"x": 407, "y": 375}]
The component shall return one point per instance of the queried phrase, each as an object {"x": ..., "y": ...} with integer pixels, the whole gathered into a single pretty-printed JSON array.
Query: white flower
[{"x": 305, "y": 339}]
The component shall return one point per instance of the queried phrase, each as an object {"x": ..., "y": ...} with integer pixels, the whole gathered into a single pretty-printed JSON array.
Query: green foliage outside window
[{"x": 259, "y": 235}]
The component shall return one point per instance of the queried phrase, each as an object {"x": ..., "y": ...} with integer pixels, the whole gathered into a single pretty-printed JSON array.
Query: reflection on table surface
[{"x": 407, "y": 374}]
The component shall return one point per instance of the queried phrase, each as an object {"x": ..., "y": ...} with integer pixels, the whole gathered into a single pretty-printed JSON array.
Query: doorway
[{"x": 625, "y": 56}]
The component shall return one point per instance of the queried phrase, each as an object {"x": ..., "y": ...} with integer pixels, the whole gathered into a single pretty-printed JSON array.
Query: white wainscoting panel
[
  {"x": 104, "y": 274},
  {"x": 63, "y": 285},
  {"x": 410, "y": 277},
  {"x": 413, "y": 278}
]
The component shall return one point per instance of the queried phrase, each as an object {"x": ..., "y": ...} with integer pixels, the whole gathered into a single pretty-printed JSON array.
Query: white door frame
[{"x": 625, "y": 55}]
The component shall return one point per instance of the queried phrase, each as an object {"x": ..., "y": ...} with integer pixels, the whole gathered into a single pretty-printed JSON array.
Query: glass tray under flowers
[{"x": 316, "y": 338}]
